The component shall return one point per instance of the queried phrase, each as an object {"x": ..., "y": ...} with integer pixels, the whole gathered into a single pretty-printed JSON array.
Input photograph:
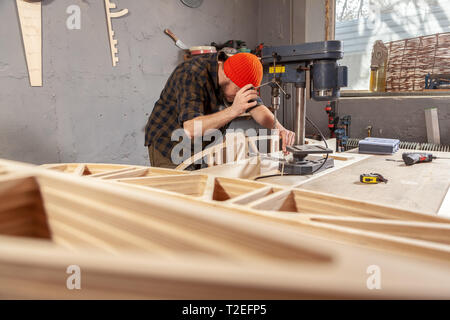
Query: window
[{"x": 359, "y": 23}]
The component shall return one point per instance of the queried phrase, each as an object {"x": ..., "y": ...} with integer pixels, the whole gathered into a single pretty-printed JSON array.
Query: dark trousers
[{"x": 158, "y": 160}]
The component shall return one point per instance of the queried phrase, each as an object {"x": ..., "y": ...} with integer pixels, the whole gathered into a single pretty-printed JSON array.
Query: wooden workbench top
[{"x": 421, "y": 187}]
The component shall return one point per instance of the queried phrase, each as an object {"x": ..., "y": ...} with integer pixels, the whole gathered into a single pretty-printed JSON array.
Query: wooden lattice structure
[
  {"x": 410, "y": 60},
  {"x": 143, "y": 232}
]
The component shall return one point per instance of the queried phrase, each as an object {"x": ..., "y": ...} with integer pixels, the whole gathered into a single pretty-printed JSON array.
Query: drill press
[{"x": 313, "y": 69}]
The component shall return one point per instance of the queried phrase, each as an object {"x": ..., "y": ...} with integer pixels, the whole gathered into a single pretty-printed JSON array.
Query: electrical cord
[{"x": 293, "y": 174}]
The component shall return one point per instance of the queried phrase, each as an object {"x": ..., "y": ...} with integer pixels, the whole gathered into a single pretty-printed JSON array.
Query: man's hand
[
  {"x": 264, "y": 117},
  {"x": 241, "y": 100},
  {"x": 287, "y": 138}
]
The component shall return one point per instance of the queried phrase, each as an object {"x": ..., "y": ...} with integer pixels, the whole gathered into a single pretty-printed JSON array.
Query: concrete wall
[
  {"x": 275, "y": 28},
  {"x": 315, "y": 20},
  {"x": 88, "y": 111},
  {"x": 401, "y": 118}
]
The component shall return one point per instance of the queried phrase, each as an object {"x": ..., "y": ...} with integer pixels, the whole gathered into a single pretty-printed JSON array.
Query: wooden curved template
[
  {"x": 235, "y": 147},
  {"x": 30, "y": 16}
]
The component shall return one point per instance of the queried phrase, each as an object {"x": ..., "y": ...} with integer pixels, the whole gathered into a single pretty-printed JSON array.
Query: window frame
[{"x": 330, "y": 34}]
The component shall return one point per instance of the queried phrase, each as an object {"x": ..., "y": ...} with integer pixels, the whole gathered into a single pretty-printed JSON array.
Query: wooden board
[
  {"x": 432, "y": 124},
  {"x": 254, "y": 198},
  {"x": 420, "y": 187},
  {"x": 444, "y": 209},
  {"x": 30, "y": 16},
  {"x": 109, "y": 16}
]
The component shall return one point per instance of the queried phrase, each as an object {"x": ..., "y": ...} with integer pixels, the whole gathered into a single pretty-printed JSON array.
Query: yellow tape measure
[{"x": 372, "y": 178}]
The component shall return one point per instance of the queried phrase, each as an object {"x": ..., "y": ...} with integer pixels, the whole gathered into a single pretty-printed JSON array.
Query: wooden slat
[
  {"x": 30, "y": 16},
  {"x": 385, "y": 240},
  {"x": 185, "y": 184},
  {"x": 175, "y": 236},
  {"x": 428, "y": 231},
  {"x": 444, "y": 209},
  {"x": 111, "y": 172},
  {"x": 252, "y": 196},
  {"x": 79, "y": 170},
  {"x": 16, "y": 183},
  {"x": 314, "y": 202},
  {"x": 432, "y": 125},
  {"x": 274, "y": 202},
  {"x": 209, "y": 189},
  {"x": 136, "y": 172},
  {"x": 14, "y": 201}
]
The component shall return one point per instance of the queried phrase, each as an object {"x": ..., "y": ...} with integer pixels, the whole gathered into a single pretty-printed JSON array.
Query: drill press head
[{"x": 292, "y": 63}]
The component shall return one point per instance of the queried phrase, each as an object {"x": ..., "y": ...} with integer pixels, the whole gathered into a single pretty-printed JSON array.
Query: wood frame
[
  {"x": 135, "y": 240},
  {"x": 236, "y": 147}
]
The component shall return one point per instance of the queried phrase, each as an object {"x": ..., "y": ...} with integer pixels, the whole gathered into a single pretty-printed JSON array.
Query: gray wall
[
  {"x": 275, "y": 28},
  {"x": 88, "y": 111},
  {"x": 401, "y": 118}
]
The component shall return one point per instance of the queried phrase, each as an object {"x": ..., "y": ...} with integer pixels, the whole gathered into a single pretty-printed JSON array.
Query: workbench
[{"x": 422, "y": 187}]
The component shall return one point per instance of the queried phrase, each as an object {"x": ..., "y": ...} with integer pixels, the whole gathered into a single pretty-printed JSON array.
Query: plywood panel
[{"x": 420, "y": 187}]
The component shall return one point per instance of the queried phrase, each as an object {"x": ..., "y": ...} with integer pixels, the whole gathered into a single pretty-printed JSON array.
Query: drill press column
[{"x": 300, "y": 115}]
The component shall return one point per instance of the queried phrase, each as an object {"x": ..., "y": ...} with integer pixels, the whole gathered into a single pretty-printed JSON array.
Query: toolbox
[{"x": 379, "y": 145}]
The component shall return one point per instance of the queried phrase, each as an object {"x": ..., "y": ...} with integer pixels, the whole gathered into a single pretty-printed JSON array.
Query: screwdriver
[{"x": 410, "y": 158}]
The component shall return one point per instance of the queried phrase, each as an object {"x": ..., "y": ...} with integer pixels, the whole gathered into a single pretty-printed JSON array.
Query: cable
[
  {"x": 293, "y": 174},
  {"x": 324, "y": 140}
]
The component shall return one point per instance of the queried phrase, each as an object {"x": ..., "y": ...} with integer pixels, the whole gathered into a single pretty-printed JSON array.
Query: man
[{"x": 197, "y": 90}]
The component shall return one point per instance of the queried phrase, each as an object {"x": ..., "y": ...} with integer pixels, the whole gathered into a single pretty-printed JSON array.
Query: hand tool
[
  {"x": 180, "y": 44},
  {"x": 342, "y": 132},
  {"x": 410, "y": 158},
  {"x": 372, "y": 178}
]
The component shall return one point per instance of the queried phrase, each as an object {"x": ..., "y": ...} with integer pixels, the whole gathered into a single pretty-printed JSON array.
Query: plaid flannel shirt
[{"x": 191, "y": 91}]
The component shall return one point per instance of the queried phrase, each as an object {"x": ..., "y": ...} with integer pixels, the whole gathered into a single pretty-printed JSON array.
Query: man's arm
[
  {"x": 262, "y": 115},
  {"x": 265, "y": 118},
  {"x": 210, "y": 121},
  {"x": 221, "y": 118}
]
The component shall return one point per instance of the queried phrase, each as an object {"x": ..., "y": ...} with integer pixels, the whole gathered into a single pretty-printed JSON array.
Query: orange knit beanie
[{"x": 244, "y": 68}]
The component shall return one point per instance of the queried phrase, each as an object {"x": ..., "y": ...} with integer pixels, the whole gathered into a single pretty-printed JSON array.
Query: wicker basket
[{"x": 410, "y": 60}]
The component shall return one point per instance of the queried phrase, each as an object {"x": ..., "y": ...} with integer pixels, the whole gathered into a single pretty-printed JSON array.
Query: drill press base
[
  {"x": 301, "y": 166},
  {"x": 305, "y": 167}
]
